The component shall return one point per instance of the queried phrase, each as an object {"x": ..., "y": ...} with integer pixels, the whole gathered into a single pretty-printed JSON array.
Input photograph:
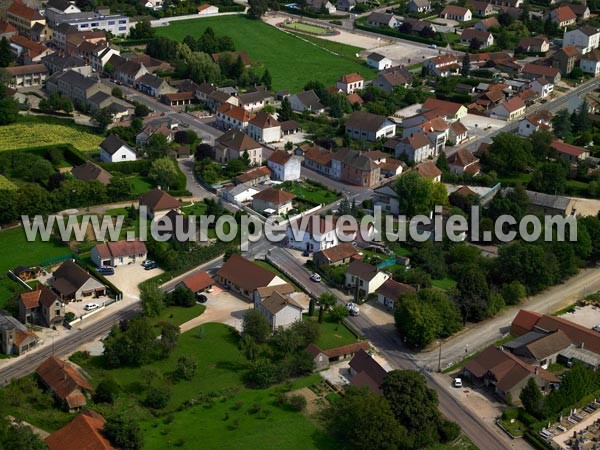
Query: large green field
[
  {"x": 214, "y": 410},
  {"x": 35, "y": 131},
  {"x": 291, "y": 60},
  {"x": 16, "y": 251}
]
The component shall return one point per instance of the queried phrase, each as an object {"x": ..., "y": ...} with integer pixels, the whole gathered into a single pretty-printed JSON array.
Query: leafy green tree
[
  {"x": 351, "y": 420},
  {"x": 140, "y": 110},
  {"x": 561, "y": 124},
  {"x": 19, "y": 437},
  {"x": 102, "y": 117},
  {"x": 338, "y": 313},
  {"x": 326, "y": 301},
  {"x": 513, "y": 292},
  {"x": 152, "y": 299},
  {"x": 157, "y": 397},
  {"x": 256, "y": 326},
  {"x": 186, "y": 367},
  {"x": 132, "y": 347},
  {"x": 40, "y": 170},
  {"x": 415, "y": 194},
  {"x": 123, "y": 431},
  {"x": 168, "y": 338},
  {"x": 550, "y": 178},
  {"x": 9, "y": 110},
  {"x": 6, "y": 57},
  {"x": 581, "y": 118},
  {"x": 414, "y": 405},
  {"x": 106, "y": 391},
  {"x": 142, "y": 30},
  {"x": 541, "y": 142},
  {"x": 163, "y": 172},
  {"x": 257, "y": 8},
  {"x": 182, "y": 296},
  {"x": 474, "y": 294},
  {"x": 509, "y": 154},
  {"x": 442, "y": 162}
]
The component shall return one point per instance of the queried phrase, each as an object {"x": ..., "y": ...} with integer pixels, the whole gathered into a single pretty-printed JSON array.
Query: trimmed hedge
[
  {"x": 71, "y": 154},
  {"x": 312, "y": 15},
  {"x": 140, "y": 166},
  {"x": 231, "y": 8}
]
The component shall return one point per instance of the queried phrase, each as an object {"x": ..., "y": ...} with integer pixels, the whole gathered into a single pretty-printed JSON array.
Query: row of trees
[{"x": 405, "y": 416}]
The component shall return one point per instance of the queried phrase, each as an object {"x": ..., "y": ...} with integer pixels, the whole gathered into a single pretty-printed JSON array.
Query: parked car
[
  {"x": 148, "y": 262},
  {"x": 106, "y": 270},
  {"x": 352, "y": 309},
  {"x": 91, "y": 306},
  {"x": 458, "y": 383},
  {"x": 202, "y": 298},
  {"x": 433, "y": 46},
  {"x": 151, "y": 266},
  {"x": 315, "y": 277},
  {"x": 306, "y": 253},
  {"x": 596, "y": 328}
]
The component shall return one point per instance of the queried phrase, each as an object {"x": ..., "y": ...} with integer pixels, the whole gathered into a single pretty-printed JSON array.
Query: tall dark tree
[
  {"x": 285, "y": 111},
  {"x": 414, "y": 405},
  {"x": 351, "y": 420},
  {"x": 466, "y": 65},
  {"x": 266, "y": 79},
  {"x": 124, "y": 432},
  {"x": 561, "y": 123},
  {"x": 5, "y": 54},
  {"x": 256, "y": 326}
]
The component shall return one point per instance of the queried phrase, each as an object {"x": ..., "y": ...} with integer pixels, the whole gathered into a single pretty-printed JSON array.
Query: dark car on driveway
[{"x": 106, "y": 270}]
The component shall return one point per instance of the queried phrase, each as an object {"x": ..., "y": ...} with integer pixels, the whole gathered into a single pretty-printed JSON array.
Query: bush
[
  {"x": 107, "y": 391},
  {"x": 449, "y": 431},
  {"x": 157, "y": 397},
  {"x": 297, "y": 402}
]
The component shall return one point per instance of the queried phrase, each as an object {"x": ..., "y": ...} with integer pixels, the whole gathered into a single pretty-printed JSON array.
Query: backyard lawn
[
  {"x": 291, "y": 61},
  {"x": 444, "y": 283},
  {"x": 332, "y": 334},
  {"x": 214, "y": 408},
  {"x": 310, "y": 193},
  {"x": 16, "y": 251},
  {"x": 34, "y": 131},
  {"x": 305, "y": 27}
]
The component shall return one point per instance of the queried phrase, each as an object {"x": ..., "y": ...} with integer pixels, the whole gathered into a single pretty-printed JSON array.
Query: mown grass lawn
[
  {"x": 15, "y": 251},
  {"x": 310, "y": 193},
  {"x": 444, "y": 283},
  {"x": 291, "y": 61},
  {"x": 306, "y": 27},
  {"x": 35, "y": 131},
  {"x": 332, "y": 334},
  {"x": 140, "y": 184},
  {"x": 177, "y": 315},
  {"x": 226, "y": 413}
]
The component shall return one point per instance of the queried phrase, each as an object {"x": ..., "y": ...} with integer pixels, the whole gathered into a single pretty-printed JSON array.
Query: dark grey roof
[
  {"x": 523, "y": 340},
  {"x": 60, "y": 5},
  {"x": 69, "y": 277},
  {"x": 129, "y": 68},
  {"x": 8, "y": 322},
  {"x": 375, "y": 57},
  {"x": 587, "y": 30},
  {"x": 150, "y": 80},
  {"x": 254, "y": 96},
  {"x": 380, "y": 17},
  {"x": 238, "y": 141},
  {"x": 76, "y": 79},
  {"x": 99, "y": 97},
  {"x": 62, "y": 62},
  {"x": 206, "y": 88},
  {"x": 112, "y": 143},
  {"x": 362, "y": 120},
  {"x": 38, "y": 27},
  {"x": 310, "y": 99},
  {"x": 65, "y": 28}
]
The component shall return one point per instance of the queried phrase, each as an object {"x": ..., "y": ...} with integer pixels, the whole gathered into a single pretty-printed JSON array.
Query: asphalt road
[
  {"x": 399, "y": 357},
  {"x": 552, "y": 106},
  {"x": 68, "y": 344},
  {"x": 205, "y": 131}
]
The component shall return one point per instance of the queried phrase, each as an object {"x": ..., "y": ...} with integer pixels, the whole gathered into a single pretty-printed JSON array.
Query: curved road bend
[{"x": 390, "y": 347}]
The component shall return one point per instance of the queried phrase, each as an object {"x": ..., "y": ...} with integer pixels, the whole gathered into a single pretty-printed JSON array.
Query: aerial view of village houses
[{"x": 299, "y": 224}]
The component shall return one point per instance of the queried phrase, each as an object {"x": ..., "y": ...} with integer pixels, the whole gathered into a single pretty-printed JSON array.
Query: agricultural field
[
  {"x": 291, "y": 60},
  {"x": 35, "y": 131}
]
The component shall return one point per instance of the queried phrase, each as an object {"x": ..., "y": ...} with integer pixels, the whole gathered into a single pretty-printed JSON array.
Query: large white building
[
  {"x": 585, "y": 39},
  {"x": 116, "y": 24}
]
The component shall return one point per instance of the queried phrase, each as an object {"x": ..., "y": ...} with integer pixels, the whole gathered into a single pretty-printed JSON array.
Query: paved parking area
[
  {"x": 78, "y": 307},
  {"x": 587, "y": 316},
  {"x": 128, "y": 277},
  {"x": 481, "y": 125},
  {"x": 405, "y": 54},
  {"x": 222, "y": 306}
]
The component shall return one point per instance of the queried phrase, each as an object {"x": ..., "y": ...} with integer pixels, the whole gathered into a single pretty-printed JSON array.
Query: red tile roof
[
  {"x": 61, "y": 377},
  {"x": 462, "y": 158},
  {"x": 354, "y": 98},
  {"x": 159, "y": 200},
  {"x": 340, "y": 252},
  {"x": 537, "y": 69},
  {"x": 441, "y": 106},
  {"x": 454, "y": 10},
  {"x": 526, "y": 319},
  {"x": 513, "y": 104},
  {"x": 235, "y": 112},
  {"x": 198, "y": 281},
  {"x": 279, "y": 157},
  {"x": 6, "y": 28},
  {"x": 245, "y": 274},
  {"x": 275, "y": 196},
  {"x": 121, "y": 248},
  {"x": 568, "y": 149},
  {"x": 564, "y": 14},
  {"x": 428, "y": 169},
  {"x": 351, "y": 78},
  {"x": 84, "y": 432},
  {"x": 21, "y": 10},
  {"x": 253, "y": 174}
]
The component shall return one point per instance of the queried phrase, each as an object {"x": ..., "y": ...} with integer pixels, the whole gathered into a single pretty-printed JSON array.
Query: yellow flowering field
[{"x": 38, "y": 131}]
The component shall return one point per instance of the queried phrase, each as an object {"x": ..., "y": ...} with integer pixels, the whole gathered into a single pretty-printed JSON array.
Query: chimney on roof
[{"x": 537, "y": 369}]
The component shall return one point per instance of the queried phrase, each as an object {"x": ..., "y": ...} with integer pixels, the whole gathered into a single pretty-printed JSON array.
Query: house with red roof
[
  {"x": 350, "y": 83},
  {"x": 65, "y": 383},
  {"x": 485, "y": 38},
  {"x": 84, "y": 432},
  {"x": 232, "y": 117},
  {"x": 511, "y": 109},
  {"x": 450, "y": 111},
  {"x": 7, "y": 30},
  {"x": 41, "y": 307},
  {"x": 285, "y": 166},
  {"x": 541, "y": 120},
  {"x": 23, "y": 18},
  {"x": 206, "y": 9},
  {"x": 570, "y": 153},
  {"x": 273, "y": 201},
  {"x": 118, "y": 253},
  {"x": 455, "y": 12},
  {"x": 264, "y": 128},
  {"x": 445, "y": 65},
  {"x": 197, "y": 282},
  {"x": 463, "y": 161},
  {"x": 563, "y": 16}
]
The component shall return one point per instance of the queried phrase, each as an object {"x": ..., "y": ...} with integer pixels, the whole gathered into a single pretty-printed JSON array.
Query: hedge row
[
  {"x": 70, "y": 153},
  {"x": 140, "y": 166},
  {"x": 312, "y": 15},
  {"x": 389, "y": 32},
  {"x": 231, "y": 8}
]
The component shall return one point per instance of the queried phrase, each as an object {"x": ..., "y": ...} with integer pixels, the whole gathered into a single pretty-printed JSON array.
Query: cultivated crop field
[
  {"x": 291, "y": 60},
  {"x": 305, "y": 27},
  {"x": 35, "y": 131}
]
